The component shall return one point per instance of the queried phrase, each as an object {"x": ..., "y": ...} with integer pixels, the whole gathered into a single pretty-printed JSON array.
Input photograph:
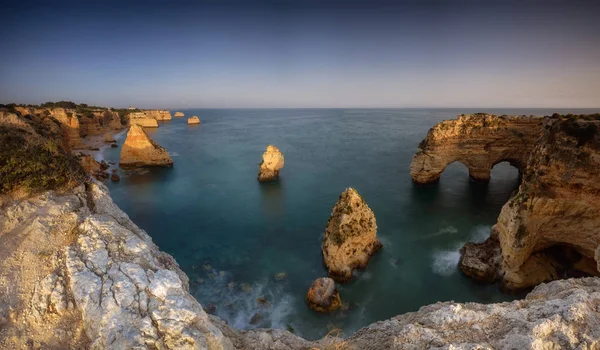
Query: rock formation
[
  {"x": 139, "y": 150},
  {"x": 479, "y": 141},
  {"x": 142, "y": 119},
  {"x": 179, "y": 114},
  {"x": 549, "y": 229},
  {"x": 69, "y": 125},
  {"x": 323, "y": 296},
  {"x": 92, "y": 167},
  {"x": 350, "y": 237},
  {"x": 76, "y": 272},
  {"x": 272, "y": 162},
  {"x": 159, "y": 115},
  {"x": 108, "y": 138},
  {"x": 193, "y": 120}
]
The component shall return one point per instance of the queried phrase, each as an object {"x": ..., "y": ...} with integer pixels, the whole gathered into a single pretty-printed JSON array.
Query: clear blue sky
[{"x": 302, "y": 53}]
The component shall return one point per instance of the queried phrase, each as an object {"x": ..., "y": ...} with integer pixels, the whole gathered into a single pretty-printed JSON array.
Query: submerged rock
[
  {"x": 323, "y": 296},
  {"x": 280, "y": 276},
  {"x": 193, "y": 120},
  {"x": 139, "y": 150},
  {"x": 350, "y": 237},
  {"x": 179, "y": 114},
  {"x": 272, "y": 162}
]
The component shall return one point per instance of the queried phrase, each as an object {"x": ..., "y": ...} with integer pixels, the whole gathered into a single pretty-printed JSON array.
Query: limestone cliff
[
  {"x": 350, "y": 237},
  {"x": 272, "y": 162},
  {"x": 69, "y": 125},
  {"x": 159, "y": 115},
  {"x": 479, "y": 141},
  {"x": 142, "y": 119},
  {"x": 139, "y": 150},
  {"x": 76, "y": 272},
  {"x": 550, "y": 228}
]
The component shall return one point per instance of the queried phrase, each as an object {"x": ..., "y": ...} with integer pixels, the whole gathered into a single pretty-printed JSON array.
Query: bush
[{"x": 32, "y": 163}]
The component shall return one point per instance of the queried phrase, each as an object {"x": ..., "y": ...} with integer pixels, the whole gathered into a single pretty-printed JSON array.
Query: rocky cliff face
[
  {"x": 100, "y": 123},
  {"x": 479, "y": 141},
  {"x": 76, "y": 272},
  {"x": 549, "y": 228},
  {"x": 159, "y": 115},
  {"x": 139, "y": 150},
  {"x": 350, "y": 237},
  {"x": 142, "y": 119},
  {"x": 272, "y": 162},
  {"x": 69, "y": 125}
]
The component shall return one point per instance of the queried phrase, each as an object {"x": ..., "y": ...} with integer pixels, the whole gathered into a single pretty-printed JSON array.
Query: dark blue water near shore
[{"x": 232, "y": 235}]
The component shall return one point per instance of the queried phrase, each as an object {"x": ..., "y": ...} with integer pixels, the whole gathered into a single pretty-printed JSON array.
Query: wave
[
  {"x": 263, "y": 304},
  {"x": 445, "y": 262}
]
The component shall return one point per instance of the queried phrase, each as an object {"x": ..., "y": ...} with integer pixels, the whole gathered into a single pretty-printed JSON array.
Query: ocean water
[{"x": 232, "y": 235}]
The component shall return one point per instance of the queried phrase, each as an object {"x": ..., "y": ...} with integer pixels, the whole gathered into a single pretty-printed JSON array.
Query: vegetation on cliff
[{"x": 32, "y": 159}]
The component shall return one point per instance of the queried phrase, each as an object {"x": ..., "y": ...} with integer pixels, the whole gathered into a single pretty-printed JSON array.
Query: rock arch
[{"x": 479, "y": 141}]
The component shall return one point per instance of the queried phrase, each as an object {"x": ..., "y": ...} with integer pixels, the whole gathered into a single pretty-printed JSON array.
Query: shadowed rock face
[
  {"x": 550, "y": 228},
  {"x": 139, "y": 150},
  {"x": 350, "y": 237},
  {"x": 479, "y": 141},
  {"x": 323, "y": 296},
  {"x": 272, "y": 162}
]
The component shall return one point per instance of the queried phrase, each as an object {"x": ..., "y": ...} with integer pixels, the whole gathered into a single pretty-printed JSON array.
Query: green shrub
[{"x": 32, "y": 163}]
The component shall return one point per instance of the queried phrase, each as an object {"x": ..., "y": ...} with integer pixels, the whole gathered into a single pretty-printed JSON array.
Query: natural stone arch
[{"x": 479, "y": 141}]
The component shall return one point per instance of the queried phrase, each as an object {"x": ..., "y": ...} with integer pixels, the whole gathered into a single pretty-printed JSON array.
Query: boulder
[
  {"x": 272, "y": 162},
  {"x": 139, "y": 150},
  {"x": 108, "y": 138},
  {"x": 179, "y": 114},
  {"x": 115, "y": 178},
  {"x": 323, "y": 296},
  {"x": 350, "y": 237},
  {"x": 193, "y": 120}
]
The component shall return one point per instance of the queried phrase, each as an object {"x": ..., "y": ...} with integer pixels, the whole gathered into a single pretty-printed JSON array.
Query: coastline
[{"x": 95, "y": 145}]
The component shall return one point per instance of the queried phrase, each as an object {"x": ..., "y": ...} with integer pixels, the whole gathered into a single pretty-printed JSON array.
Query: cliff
[
  {"x": 479, "y": 141},
  {"x": 159, "y": 115},
  {"x": 139, "y": 150},
  {"x": 550, "y": 228},
  {"x": 142, "y": 119},
  {"x": 75, "y": 271}
]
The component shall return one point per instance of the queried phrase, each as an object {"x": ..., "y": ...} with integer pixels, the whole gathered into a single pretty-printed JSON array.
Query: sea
[{"x": 239, "y": 240}]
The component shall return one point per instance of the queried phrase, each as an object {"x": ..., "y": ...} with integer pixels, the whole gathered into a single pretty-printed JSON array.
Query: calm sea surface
[{"x": 232, "y": 235}]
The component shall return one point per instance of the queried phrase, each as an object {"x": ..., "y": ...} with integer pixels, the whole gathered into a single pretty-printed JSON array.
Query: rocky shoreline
[{"x": 76, "y": 272}]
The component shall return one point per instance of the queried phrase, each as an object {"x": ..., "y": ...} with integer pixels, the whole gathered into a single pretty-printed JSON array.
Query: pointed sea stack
[
  {"x": 139, "y": 150},
  {"x": 350, "y": 237},
  {"x": 272, "y": 162}
]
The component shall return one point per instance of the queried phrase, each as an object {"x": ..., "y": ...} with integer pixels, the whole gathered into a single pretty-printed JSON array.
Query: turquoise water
[{"x": 228, "y": 231}]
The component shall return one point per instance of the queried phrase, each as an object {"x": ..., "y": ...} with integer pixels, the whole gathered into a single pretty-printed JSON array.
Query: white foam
[{"x": 445, "y": 262}]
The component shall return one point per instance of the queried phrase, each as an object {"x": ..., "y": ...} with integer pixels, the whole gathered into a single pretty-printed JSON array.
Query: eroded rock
[
  {"x": 350, "y": 237},
  {"x": 193, "y": 120},
  {"x": 323, "y": 296},
  {"x": 272, "y": 162},
  {"x": 179, "y": 114},
  {"x": 139, "y": 150},
  {"x": 479, "y": 141}
]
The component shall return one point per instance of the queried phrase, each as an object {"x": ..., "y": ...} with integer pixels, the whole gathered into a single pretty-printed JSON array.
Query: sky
[{"x": 262, "y": 54}]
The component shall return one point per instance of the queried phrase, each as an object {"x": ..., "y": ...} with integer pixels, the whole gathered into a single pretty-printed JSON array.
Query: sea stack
[
  {"x": 139, "y": 150},
  {"x": 178, "y": 114},
  {"x": 193, "y": 120},
  {"x": 272, "y": 162},
  {"x": 323, "y": 296},
  {"x": 350, "y": 237}
]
